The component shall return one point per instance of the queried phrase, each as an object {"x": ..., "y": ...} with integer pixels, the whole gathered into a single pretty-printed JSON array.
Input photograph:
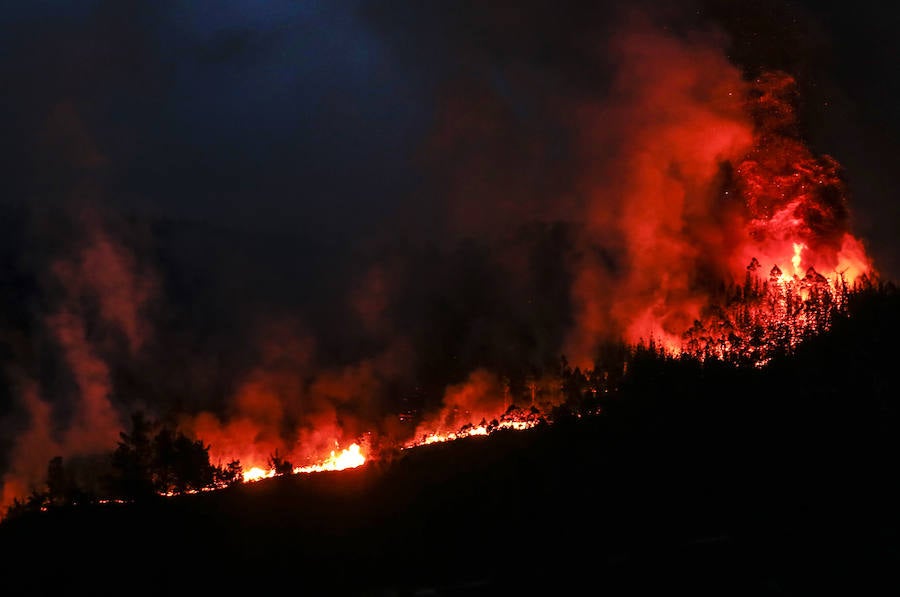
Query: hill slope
[{"x": 697, "y": 478}]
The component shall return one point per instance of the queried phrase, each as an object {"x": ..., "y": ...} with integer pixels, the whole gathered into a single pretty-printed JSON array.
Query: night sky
[
  {"x": 303, "y": 119},
  {"x": 322, "y": 176}
]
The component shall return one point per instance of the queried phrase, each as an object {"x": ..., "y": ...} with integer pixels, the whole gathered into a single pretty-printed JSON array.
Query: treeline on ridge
[{"x": 634, "y": 386}]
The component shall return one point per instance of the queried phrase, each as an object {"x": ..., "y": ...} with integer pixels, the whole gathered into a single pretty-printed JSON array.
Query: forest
[{"x": 707, "y": 476}]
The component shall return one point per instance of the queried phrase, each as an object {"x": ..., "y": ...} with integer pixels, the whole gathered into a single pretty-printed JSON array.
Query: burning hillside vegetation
[{"x": 700, "y": 223}]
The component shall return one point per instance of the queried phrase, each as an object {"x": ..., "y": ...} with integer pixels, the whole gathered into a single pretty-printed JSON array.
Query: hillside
[{"x": 703, "y": 479}]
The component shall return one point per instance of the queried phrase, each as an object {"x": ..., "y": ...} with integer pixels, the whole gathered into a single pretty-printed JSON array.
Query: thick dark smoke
[{"x": 281, "y": 228}]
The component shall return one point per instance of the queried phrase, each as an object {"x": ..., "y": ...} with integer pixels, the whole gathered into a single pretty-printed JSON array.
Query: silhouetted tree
[
  {"x": 164, "y": 474},
  {"x": 281, "y": 466},
  {"x": 132, "y": 461},
  {"x": 58, "y": 486},
  {"x": 230, "y": 474},
  {"x": 180, "y": 464},
  {"x": 191, "y": 465}
]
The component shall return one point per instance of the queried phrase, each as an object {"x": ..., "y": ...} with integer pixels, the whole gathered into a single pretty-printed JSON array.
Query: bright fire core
[{"x": 351, "y": 457}]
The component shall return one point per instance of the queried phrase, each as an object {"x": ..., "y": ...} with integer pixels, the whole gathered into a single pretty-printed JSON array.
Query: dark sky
[
  {"x": 302, "y": 117},
  {"x": 256, "y": 154},
  {"x": 230, "y": 113}
]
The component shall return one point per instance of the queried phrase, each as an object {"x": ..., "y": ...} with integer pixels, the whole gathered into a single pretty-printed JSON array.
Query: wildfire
[
  {"x": 472, "y": 430},
  {"x": 476, "y": 407},
  {"x": 256, "y": 474},
  {"x": 766, "y": 265},
  {"x": 796, "y": 260},
  {"x": 792, "y": 217},
  {"x": 350, "y": 457}
]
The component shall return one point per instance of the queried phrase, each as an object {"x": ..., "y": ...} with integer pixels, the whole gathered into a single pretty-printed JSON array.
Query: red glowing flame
[
  {"x": 475, "y": 407},
  {"x": 793, "y": 230},
  {"x": 795, "y": 202},
  {"x": 693, "y": 172},
  {"x": 730, "y": 238},
  {"x": 350, "y": 457}
]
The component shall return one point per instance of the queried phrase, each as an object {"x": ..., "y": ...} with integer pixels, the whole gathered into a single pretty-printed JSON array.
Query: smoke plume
[{"x": 586, "y": 177}]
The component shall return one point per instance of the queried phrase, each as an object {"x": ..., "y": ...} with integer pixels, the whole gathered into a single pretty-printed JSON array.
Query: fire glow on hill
[
  {"x": 801, "y": 258},
  {"x": 786, "y": 211},
  {"x": 350, "y": 457},
  {"x": 701, "y": 223}
]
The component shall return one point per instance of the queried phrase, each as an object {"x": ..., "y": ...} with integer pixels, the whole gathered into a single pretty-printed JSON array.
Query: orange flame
[{"x": 350, "y": 457}]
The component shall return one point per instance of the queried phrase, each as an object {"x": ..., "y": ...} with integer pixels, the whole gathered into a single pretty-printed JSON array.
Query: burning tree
[{"x": 792, "y": 206}]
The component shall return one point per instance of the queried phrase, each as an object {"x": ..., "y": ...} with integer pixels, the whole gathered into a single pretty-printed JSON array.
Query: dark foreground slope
[{"x": 702, "y": 480}]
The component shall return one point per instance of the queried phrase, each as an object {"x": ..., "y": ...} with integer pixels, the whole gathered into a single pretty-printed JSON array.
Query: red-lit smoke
[
  {"x": 709, "y": 172},
  {"x": 796, "y": 210},
  {"x": 293, "y": 407},
  {"x": 101, "y": 296},
  {"x": 670, "y": 181},
  {"x": 676, "y": 114}
]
